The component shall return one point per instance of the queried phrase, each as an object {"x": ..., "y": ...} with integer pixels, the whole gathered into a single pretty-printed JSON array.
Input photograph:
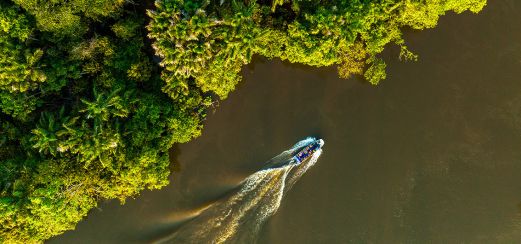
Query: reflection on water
[{"x": 238, "y": 217}]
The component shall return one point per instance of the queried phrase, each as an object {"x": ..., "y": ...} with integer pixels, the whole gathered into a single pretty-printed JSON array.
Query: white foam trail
[{"x": 237, "y": 218}]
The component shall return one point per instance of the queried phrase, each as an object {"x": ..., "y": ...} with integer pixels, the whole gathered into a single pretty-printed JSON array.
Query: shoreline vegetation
[{"x": 87, "y": 113}]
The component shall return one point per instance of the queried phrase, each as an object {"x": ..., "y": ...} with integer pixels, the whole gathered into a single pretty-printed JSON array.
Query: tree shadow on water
[{"x": 173, "y": 154}]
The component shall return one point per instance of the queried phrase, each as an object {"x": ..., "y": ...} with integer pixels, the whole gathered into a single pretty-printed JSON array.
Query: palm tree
[
  {"x": 104, "y": 107},
  {"x": 44, "y": 135}
]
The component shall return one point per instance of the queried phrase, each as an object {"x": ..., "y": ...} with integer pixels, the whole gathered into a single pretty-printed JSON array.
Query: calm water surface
[{"x": 431, "y": 155}]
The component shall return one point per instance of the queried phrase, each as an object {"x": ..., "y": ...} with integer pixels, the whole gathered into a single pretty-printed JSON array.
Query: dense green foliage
[
  {"x": 207, "y": 43},
  {"x": 85, "y": 114}
]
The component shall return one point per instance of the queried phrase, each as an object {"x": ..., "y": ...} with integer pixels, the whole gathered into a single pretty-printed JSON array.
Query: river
[{"x": 431, "y": 155}]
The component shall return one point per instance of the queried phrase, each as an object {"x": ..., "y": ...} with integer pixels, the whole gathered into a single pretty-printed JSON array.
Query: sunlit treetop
[{"x": 206, "y": 43}]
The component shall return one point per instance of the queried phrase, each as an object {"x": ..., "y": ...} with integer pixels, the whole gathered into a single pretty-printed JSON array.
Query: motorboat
[{"x": 308, "y": 151}]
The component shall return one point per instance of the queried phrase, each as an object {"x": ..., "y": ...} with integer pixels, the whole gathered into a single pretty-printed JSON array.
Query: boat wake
[{"x": 238, "y": 217}]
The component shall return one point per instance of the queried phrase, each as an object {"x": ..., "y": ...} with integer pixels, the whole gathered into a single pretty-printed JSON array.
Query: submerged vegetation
[{"x": 87, "y": 114}]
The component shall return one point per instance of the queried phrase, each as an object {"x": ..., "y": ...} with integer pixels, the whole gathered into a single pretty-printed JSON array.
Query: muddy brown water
[{"x": 431, "y": 155}]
